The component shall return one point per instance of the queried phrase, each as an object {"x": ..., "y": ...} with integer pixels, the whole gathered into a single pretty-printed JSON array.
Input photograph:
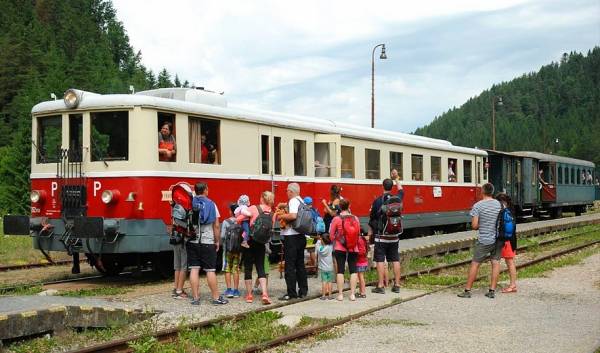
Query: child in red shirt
[{"x": 362, "y": 265}]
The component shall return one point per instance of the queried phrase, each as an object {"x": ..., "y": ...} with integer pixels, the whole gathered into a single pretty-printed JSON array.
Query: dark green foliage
[
  {"x": 561, "y": 100},
  {"x": 48, "y": 46}
]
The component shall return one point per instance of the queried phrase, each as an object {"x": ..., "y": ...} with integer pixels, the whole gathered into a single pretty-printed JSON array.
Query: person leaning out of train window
[
  {"x": 451, "y": 173},
  {"x": 208, "y": 152},
  {"x": 541, "y": 179},
  {"x": 167, "y": 148},
  {"x": 396, "y": 178}
]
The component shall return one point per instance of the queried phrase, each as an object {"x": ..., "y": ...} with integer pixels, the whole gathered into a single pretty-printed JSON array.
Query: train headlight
[
  {"x": 110, "y": 196},
  {"x": 37, "y": 196},
  {"x": 72, "y": 98}
]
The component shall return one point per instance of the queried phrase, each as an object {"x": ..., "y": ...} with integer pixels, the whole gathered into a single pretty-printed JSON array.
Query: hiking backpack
[
  {"x": 233, "y": 237},
  {"x": 262, "y": 227},
  {"x": 390, "y": 216},
  {"x": 350, "y": 231},
  {"x": 304, "y": 219},
  {"x": 505, "y": 225},
  {"x": 181, "y": 210}
]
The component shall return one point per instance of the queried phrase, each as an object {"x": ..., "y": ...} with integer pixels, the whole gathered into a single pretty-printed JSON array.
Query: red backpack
[{"x": 350, "y": 232}]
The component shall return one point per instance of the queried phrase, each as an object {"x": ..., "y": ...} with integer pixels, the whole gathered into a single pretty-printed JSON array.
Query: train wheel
[
  {"x": 557, "y": 212},
  {"x": 109, "y": 265},
  {"x": 162, "y": 264}
]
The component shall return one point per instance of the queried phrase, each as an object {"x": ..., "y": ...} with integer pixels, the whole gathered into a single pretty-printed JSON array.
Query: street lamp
[
  {"x": 382, "y": 57},
  {"x": 495, "y": 100}
]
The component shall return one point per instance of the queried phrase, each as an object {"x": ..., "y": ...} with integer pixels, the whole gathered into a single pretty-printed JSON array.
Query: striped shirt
[{"x": 487, "y": 211}]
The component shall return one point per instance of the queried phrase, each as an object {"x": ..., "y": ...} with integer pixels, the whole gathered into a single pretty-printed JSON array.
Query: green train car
[{"x": 543, "y": 184}]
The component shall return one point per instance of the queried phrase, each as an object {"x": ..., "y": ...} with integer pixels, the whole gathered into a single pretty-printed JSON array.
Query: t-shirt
[
  {"x": 487, "y": 211},
  {"x": 207, "y": 235},
  {"x": 293, "y": 206},
  {"x": 324, "y": 253}
]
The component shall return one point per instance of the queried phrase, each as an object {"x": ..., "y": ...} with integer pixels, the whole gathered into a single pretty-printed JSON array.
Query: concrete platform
[
  {"x": 431, "y": 245},
  {"x": 333, "y": 309}
]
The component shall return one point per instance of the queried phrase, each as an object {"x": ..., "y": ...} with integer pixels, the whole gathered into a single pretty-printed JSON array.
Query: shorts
[
  {"x": 364, "y": 268},
  {"x": 326, "y": 276},
  {"x": 386, "y": 251},
  {"x": 232, "y": 263},
  {"x": 179, "y": 257},
  {"x": 341, "y": 257},
  {"x": 202, "y": 256},
  {"x": 483, "y": 252},
  {"x": 507, "y": 251}
]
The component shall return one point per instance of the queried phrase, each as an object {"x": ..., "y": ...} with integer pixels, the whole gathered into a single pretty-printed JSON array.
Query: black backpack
[
  {"x": 262, "y": 227},
  {"x": 390, "y": 216},
  {"x": 233, "y": 237}
]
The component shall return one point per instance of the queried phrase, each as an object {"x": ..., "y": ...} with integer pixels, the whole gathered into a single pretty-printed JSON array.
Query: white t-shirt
[
  {"x": 207, "y": 235},
  {"x": 293, "y": 205}
]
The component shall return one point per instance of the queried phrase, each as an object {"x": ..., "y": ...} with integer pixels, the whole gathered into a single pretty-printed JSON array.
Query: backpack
[
  {"x": 304, "y": 219},
  {"x": 181, "y": 206},
  {"x": 233, "y": 237},
  {"x": 505, "y": 225},
  {"x": 201, "y": 213},
  {"x": 262, "y": 227},
  {"x": 318, "y": 223},
  {"x": 350, "y": 231},
  {"x": 390, "y": 216}
]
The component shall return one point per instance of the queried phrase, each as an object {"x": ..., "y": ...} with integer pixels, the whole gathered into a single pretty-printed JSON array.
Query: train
[{"x": 99, "y": 185}]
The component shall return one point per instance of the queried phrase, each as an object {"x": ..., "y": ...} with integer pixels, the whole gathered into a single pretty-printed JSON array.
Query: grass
[
  {"x": 102, "y": 291},
  {"x": 18, "y": 250},
  {"x": 22, "y": 290}
]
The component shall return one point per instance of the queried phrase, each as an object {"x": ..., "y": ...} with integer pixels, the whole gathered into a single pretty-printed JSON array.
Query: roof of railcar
[
  {"x": 542, "y": 157},
  {"x": 115, "y": 101}
]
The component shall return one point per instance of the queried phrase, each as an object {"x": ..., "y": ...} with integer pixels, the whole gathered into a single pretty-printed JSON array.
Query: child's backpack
[
  {"x": 350, "y": 231},
  {"x": 233, "y": 237},
  {"x": 505, "y": 225},
  {"x": 390, "y": 217},
  {"x": 262, "y": 228},
  {"x": 304, "y": 219},
  {"x": 319, "y": 225}
]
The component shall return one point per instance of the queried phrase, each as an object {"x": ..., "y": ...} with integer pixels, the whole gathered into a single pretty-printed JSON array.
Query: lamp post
[
  {"x": 382, "y": 56},
  {"x": 495, "y": 99}
]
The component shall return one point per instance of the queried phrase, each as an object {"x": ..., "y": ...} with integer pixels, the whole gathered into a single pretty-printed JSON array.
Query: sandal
[
  {"x": 340, "y": 297},
  {"x": 352, "y": 297},
  {"x": 509, "y": 289}
]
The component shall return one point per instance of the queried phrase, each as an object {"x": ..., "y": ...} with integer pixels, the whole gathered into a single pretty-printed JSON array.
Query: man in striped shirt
[{"x": 484, "y": 219}]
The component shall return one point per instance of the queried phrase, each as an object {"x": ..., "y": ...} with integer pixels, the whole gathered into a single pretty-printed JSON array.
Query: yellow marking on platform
[
  {"x": 29, "y": 313},
  {"x": 3, "y": 317},
  {"x": 109, "y": 309},
  {"x": 86, "y": 308},
  {"x": 56, "y": 309}
]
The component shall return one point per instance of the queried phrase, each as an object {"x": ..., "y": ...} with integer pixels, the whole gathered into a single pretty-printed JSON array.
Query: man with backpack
[
  {"x": 385, "y": 226},
  {"x": 202, "y": 248},
  {"x": 484, "y": 219},
  {"x": 298, "y": 221}
]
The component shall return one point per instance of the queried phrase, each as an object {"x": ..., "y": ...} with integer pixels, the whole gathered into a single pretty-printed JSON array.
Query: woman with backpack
[
  {"x": 344, "y": 233},
  {"x": 510, "y": 246},
  {"x": 261, "y": 223}
]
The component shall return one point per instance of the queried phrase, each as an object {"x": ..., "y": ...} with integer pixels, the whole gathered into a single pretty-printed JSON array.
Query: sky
[{"x": 314, "y": 57}]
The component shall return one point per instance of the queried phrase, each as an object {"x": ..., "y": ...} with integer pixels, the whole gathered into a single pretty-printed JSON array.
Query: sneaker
[
  {"x": 174, "y": 293},
  {"x": 249, "y": 298},
  {"x": 286, "y": 298},
  {"x": 266, "y": 300},
  {"x": 195, "y": 302},
  {"x": 236, "y": 293},
  {"x": 228, "y": 293},
  {"x": 396, "y": 289},
  {"x": 465, "y": 294},
  {"x": 378, "y": 290},
  {"x": 181, "y": 295},
  {"x": 491, "y": 294},
  {"x": 361, "y": 296},
  {"x": 219, "y": 301}
]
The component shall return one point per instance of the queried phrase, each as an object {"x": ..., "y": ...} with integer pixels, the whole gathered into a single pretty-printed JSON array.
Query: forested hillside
[
  {"x": 560, "y": 101},
  {"x": 47, "y": 46}
]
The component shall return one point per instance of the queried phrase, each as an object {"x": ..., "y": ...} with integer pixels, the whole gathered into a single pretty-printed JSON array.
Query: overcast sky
[{"x": 314, "y": 57}]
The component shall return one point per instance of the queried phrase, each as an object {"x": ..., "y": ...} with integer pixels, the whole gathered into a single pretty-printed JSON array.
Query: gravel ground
[{"x": 560, "y": 313}]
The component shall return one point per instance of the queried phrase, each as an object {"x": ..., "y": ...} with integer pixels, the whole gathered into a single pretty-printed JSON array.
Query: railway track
[{"x": 169, "y": 335}]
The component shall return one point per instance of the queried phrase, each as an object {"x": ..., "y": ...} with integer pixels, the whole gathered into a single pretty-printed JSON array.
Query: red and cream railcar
[{"x": 108, "y": 192}]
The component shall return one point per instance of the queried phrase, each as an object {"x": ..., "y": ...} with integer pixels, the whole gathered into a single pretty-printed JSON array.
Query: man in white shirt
[{"x": 294, "y": 244}]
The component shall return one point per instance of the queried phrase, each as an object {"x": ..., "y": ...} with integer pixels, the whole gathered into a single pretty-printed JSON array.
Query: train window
[
  {"x": 264, "y": 153},
  {"x": 578, "y": 176},
  {"x": 75, "y": 137},
  {"x": 204, "y": 140},
  {"x": 299, "y": 157},
  {"x": 347, "y": 162},
  {"x": 560, "y": 174},
  {"x": 452, "y": 170},
  {"x": 572, "y": 175},
  {"x": 396, "y": 163},
  {"x": 533, "y": 175},
  {"x": 416, "y": 167},
  {"x": 508, "y": 171},
  {"x": 277, "y": 153},
  {"x": 566, "y": 181},
  {"x": 467, "y": 171},
  {"x": 478, "y": 172},
  {"x": 109, "y": 136},
  {"x": 167, "y": 145},
  {"x": 485, "y": 168},
  {"x": 49, "y": 139},
  {"x": 323, "y": 159},
  {"x": 436, "y": 168},
  {"x": 372, "y": 163}
]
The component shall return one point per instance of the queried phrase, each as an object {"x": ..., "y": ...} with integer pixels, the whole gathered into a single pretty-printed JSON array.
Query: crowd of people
[{"x": 341, "y": 243}]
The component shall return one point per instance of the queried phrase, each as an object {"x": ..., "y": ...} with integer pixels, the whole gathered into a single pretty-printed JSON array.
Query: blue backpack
[
  {"x": 505, "y": 225},
  {"x": 203, "y": 210},
  {"x": 318, "y": 223}
]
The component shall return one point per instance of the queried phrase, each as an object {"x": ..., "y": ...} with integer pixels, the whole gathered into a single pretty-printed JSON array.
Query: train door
[
  {"x": 530, "y": 183},
  {"x": 517, "y": 182},
  {"x": 507, "y": 171}
]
